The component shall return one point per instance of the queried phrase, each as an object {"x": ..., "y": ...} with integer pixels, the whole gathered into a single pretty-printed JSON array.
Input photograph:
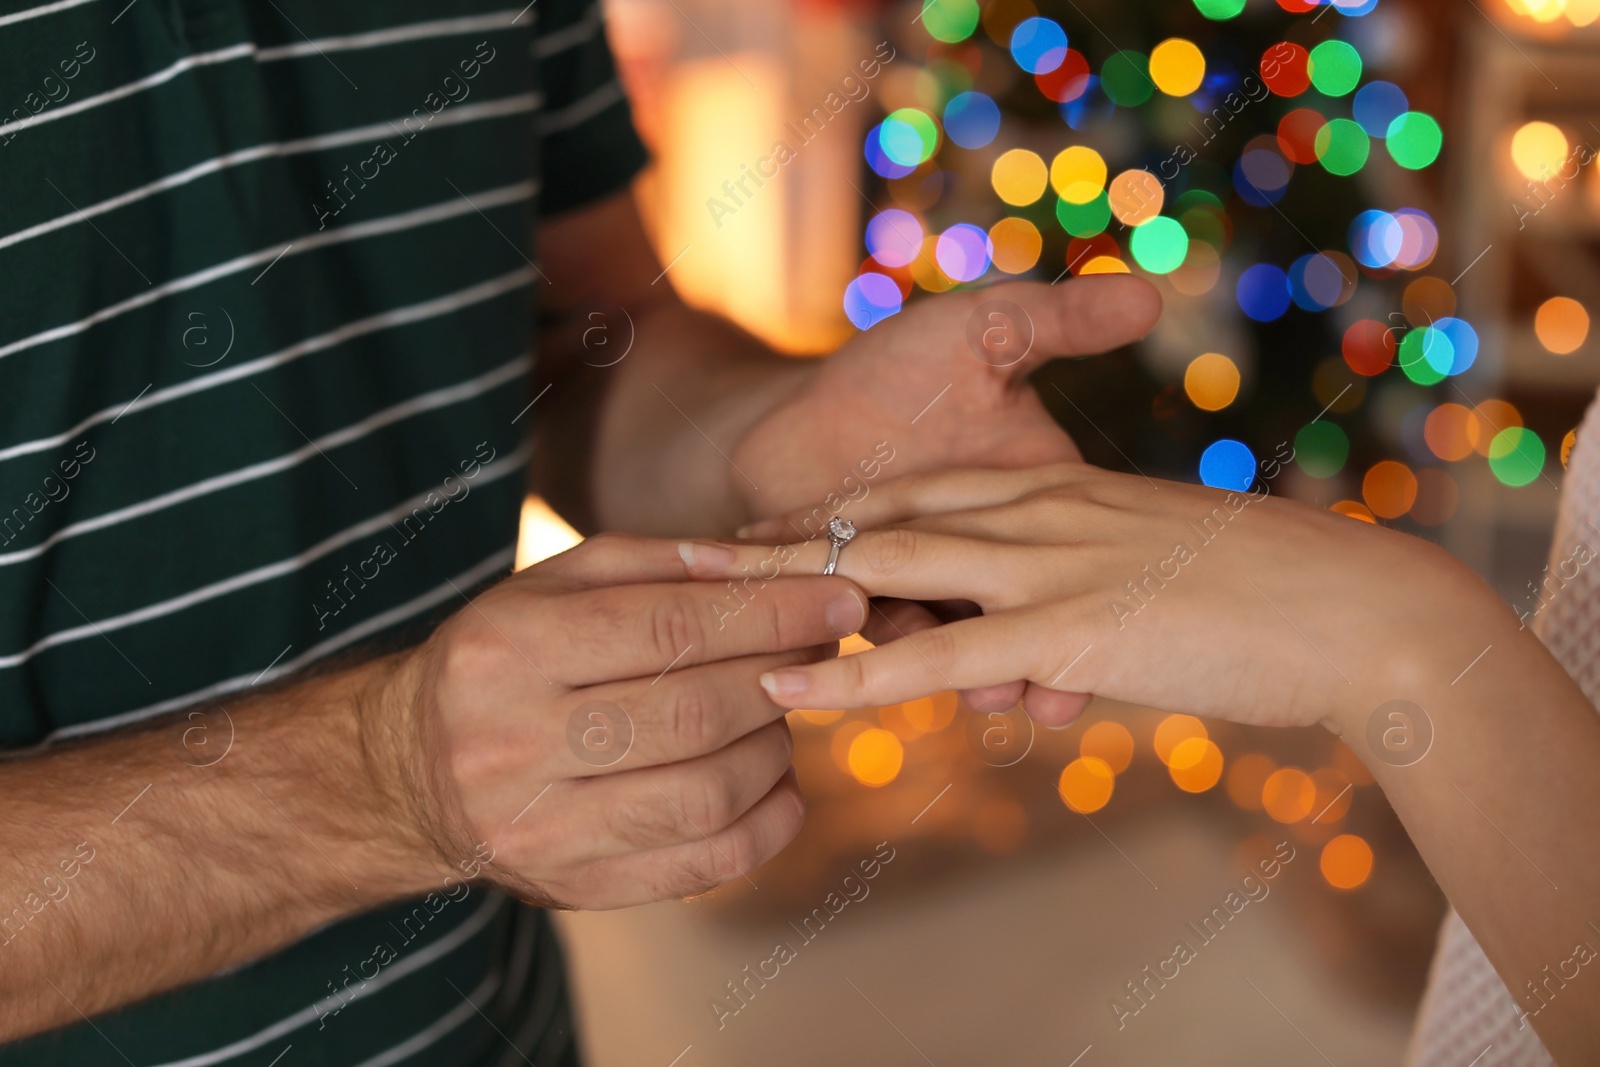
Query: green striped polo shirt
[{"x": 266, "y": 336}]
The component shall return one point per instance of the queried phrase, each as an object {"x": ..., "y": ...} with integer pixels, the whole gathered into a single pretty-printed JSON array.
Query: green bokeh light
[
  {"x": 1219, "y": 10},
  {"x": 1321, "y": 449},
  {"x": 1426, "y": 355},
  {"x": 1085, "y": 220},
  {"x": 1414, "y": 139},
  {"x": 1125, "y": 77},
  {"x": 950, "y": 20},
  {"x": 909, "y": 136},
  {"x": 1335, "y": 68},
  {"x": 1516, "y": 455},
  {"x": 1191, "y": 198},
  {"x": 1342, "y": 146},
  {"x": 1159, "y": 245}
]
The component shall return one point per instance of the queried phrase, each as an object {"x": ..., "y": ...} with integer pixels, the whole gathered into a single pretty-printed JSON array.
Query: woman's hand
[
  {"x": 1176, "y": 596},
  {"x": 1260, "y": 611}
]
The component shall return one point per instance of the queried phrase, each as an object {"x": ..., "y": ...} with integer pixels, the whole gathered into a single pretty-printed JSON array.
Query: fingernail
[
  {"x": 846, "y": 613},
  {"x": 706, "y": 557},
  {"x": 785, "y": 685}
]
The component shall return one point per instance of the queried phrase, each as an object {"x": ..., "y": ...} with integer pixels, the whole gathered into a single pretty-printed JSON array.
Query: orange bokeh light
[
  {"x": 1288, "y": 794},
  {"x": 1086, "y": 784},
  {"x": 1446, "y": 431},
  {"x": 1246, "y": 777},
  {"x": 1353, "y": 509},
  {"x": 839, "y": 743},
  {"x": 1488, "y": 419},
  {"x": 1427, "y": 300},
  {"x": 1196, "y": 764},
  {"x": 818, "y": 718},
  {"x": 1104, "y": 265},
  {"x": 1346, "y": 861},
  {"x": 1136, "y": 196},
  {"x": 1173, "y": 729},
  {"x": 892, "y": 717},
  {"x": 1389, "y": 489},
  {"x": 931, "y": 714},
  {"x": 1562, "y": 325},
  {"x": 1016, "y": 244},
  {"x": 875, "y": 757},
  {"x": 1110, "y": 742}
]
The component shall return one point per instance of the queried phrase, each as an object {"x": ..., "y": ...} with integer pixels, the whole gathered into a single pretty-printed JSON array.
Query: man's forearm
[
  {"x": 661, "y": 423},
  {"x": 647, "y": 396},
  {"x": 141, "y": 861}
]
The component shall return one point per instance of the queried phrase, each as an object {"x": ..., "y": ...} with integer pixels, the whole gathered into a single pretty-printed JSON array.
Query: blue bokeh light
[
  {"x": 1039, "y": 45},
  {"x": 1376, "y": 239},
  {"x": 1463, "y": 343},
  {"x": 870, "y": 299},
  {"x": 878, "y": 159},
  {"x": 1377, "y": 104},
  {"x": 1228, "y": 464},
  {"x": 1263, "y": 292}
]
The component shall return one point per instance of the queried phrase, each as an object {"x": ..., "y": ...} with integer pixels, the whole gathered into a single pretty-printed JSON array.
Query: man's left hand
[{"x": 945, "y": 384}]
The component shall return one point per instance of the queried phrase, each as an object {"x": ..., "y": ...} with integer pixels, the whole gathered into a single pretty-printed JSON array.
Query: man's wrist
[{"x": 413, "y": 843}]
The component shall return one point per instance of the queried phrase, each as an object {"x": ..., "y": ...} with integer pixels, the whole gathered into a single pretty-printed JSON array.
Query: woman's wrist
[{"x": 1416, "y": 659}]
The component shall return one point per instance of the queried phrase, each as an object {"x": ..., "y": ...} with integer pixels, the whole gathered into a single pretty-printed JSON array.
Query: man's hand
[
  {"x": 608, "y": 741},
  {"x": 667, "y": 420},
  {"x": 944, "y": 383}
]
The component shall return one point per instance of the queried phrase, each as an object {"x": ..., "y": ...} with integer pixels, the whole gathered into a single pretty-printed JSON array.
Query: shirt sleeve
[{"x": 588, "y": 148}]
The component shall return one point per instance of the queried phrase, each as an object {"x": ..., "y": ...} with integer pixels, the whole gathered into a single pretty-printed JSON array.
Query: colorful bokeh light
[
  {"x": 1038, "y": 45},
  {"x": 1228, "y": 464},
  {"x": 1562, "y": 325},
  {"x": 1211, "y": 381},
  {"x": 971, "y": 119},
  {"x": 1177, "y": 66},
  {"x": 1086, "y": 784}
]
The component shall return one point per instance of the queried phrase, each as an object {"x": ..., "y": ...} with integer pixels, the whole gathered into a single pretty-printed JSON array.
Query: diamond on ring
[{"x": 841, "y": 532}]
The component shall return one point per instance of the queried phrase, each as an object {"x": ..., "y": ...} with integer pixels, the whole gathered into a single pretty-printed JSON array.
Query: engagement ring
[{"x": 840, "y": 533}]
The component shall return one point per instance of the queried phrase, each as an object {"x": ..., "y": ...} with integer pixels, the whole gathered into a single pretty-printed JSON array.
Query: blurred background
[{"x": 1372, "y": 222}]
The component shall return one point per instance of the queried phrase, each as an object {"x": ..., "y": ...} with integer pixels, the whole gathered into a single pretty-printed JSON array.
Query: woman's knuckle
[
  {"x": 891, "y": 551},
  {"x": 938, "y": 646}
]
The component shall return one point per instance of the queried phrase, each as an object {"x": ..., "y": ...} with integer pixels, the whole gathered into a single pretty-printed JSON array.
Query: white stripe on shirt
[
  {"x": 582, "y": 110},
  {"x": 405, "y": 220},
  {"x": 579, "y": 32},
  {"x": 249, "y": 49},
  {"x": 400, "y": 316},
  {"x": 149, "y": 81},
  {"x": 455, "y": 116},
  {"x": 507, "y": 464},
  {"x": 446, "y": 1023},
  {"x": 415, "y": 31},
  {"x": 216, "y": 483},
  {"x": 434, "y": 952},
  {"x": 42, "y": 9},
  {"x": 499, "y": 562}
]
